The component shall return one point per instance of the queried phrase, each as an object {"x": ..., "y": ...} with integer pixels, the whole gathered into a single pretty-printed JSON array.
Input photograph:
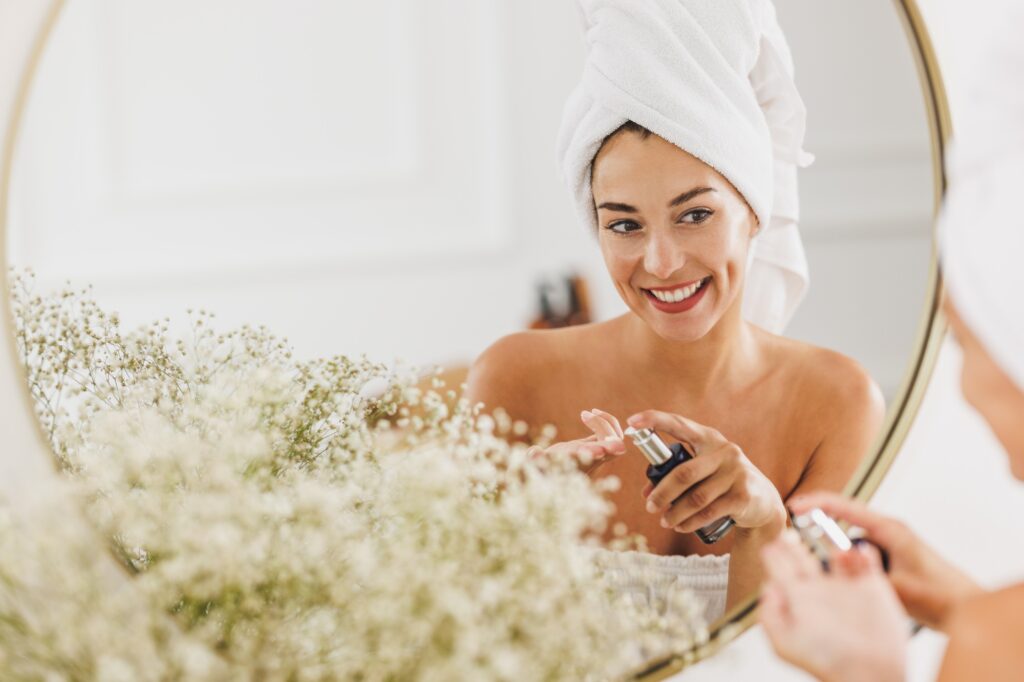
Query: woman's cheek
[{"x": 617, "y": 264}]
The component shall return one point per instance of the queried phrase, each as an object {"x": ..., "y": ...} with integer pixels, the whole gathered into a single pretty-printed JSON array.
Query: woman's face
[
  {"x": 674, "y": 234},
  {"x": 991, "y": 392}
]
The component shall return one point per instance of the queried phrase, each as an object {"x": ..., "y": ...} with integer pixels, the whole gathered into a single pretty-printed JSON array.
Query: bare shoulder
[
  {"x": 834, "y": 404},
  {"x": 984, "y": 637},
  {"x": 835, "y": 386},
  {"x": 511, "y": 372}
]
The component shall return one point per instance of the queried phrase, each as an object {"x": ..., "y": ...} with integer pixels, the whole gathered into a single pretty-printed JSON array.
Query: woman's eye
[
  {"x": 697, "y": 215},
  {"x": 623, "y": 226}
]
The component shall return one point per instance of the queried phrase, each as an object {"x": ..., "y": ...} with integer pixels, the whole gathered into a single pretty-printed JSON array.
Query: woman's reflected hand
[
  {"x": 593, "y": 451},
  {"x": 843, "y": 625},
  {"x": 719, "y": 481},
  {"x": 927, "y": 584}
]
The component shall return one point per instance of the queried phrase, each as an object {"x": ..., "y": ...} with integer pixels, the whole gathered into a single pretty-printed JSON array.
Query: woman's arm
[
  {"x": 850, "y": 410},
  {"x": 985, "y": 638}
]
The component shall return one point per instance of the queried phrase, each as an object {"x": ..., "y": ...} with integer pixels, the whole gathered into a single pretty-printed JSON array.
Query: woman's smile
[{"x": 677, "y": 299}]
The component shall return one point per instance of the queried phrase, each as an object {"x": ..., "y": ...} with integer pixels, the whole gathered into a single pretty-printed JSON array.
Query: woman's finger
[
  {"x": 568, "y": 447},
  {"x": 646, "y": 492},
  {"x": 678, "y": 481},
  {"x": 849, "y": 564},
  {"x": 697, "y": 436},
  {"x": 695, "y": 500},
  {"x": 599, "y": 426},
  {"x": 774, "y": 614},
  {"x": 879, "y": 528},
  {"x": 610, "y": 418},
  {"x": 809, "y": 564},
  {"x": 719, "y": 508},
  {"x": 601, "y": 449},
  {"x": 871, "y": 557},
  {"x": 787, "y": 562}
]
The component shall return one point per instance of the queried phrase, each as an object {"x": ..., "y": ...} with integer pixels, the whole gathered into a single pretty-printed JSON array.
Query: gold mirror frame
[{"x": 25, "y": 29}]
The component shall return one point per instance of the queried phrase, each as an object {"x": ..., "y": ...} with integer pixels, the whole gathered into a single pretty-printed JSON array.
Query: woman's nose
[{"x": 663, "y": 256}]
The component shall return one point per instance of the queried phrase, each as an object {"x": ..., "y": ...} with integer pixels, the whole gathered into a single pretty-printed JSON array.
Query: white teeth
[{"x": 677, "y": 295}]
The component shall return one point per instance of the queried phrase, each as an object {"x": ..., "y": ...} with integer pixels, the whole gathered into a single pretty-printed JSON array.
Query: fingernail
[
  {"x": 651, "y": 508},
  {"x": 633, "y": 421}
]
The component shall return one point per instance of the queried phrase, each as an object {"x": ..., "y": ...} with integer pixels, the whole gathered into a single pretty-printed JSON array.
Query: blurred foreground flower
[{"x": 314, "y": 520}]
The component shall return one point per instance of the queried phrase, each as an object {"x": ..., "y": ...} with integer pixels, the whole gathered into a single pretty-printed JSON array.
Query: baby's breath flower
[{"x": 304, "y": 520}]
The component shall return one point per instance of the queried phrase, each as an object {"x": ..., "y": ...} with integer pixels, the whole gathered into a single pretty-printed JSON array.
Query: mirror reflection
[{"x": 702, "y": 222}]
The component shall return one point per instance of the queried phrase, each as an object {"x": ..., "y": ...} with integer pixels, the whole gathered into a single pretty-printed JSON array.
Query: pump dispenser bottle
[{"x": 663, "y": 459}]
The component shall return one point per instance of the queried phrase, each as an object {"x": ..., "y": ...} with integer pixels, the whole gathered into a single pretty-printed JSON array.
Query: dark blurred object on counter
[{"x": 563, "y": 302}]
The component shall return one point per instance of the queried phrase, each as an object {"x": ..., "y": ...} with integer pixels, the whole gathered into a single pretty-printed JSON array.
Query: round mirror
[{"x": 382, "y": 178}]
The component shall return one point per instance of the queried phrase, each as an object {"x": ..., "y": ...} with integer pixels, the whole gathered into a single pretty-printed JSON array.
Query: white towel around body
[{"x": 715, "y": 78}]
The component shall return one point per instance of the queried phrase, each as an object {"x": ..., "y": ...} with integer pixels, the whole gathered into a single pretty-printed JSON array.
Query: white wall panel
[{"x": 237, "y": 135}]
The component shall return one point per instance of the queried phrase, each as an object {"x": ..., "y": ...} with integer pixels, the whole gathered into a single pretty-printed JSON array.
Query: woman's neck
[{"x": 720, "y": 360}]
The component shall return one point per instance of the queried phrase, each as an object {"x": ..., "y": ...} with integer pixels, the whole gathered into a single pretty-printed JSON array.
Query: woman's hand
[
  {"x": 927, "y": 584},
  {"x": 594, "y": 450},
  {"x": 843, "y": 625},
  {"x": 719, "y": 481}
]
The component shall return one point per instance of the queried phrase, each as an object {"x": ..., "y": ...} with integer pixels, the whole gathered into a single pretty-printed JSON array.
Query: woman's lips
[{"x": 680, "y": 306}]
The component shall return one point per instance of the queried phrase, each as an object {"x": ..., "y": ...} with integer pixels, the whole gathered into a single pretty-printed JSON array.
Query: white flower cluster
[
  {"x": 304, "y": 520},
  {"x": 66, "y": 615}
]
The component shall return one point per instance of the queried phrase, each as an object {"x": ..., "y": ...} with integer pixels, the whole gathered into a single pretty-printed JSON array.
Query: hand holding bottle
[
  {"x": 718, "y": 482},
  {"x": 928, "y": 585}
]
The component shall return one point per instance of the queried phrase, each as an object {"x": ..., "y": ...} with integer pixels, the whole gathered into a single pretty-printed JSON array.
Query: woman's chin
[
  {"x": 683, "y": 327},
  {"x": 679, "y": 331}
]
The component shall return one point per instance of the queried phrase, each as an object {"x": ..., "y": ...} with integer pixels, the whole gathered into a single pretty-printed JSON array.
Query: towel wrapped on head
[
  {"x": 982, "y": 228},
  {"x": 714, "y": 78}
]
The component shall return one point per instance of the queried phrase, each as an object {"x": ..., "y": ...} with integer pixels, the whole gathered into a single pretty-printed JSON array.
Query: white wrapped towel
[{"x": 715, "y": 78}]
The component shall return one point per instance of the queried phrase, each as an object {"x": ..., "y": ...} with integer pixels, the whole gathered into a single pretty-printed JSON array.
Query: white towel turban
[
  {"x": 715, "y": 78},
  {"x": 982, "y": 225}
]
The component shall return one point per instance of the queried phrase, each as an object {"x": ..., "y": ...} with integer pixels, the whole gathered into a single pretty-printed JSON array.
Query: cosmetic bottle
[
  {"x": 664, "y": 458},
  {"x": 824, "y": 537}
]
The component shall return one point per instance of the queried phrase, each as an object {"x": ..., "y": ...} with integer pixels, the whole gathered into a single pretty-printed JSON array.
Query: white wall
[{"x": 382, "y": 178}]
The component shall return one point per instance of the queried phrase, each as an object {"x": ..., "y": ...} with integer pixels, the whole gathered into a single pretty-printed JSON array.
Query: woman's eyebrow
[
  {"x": 614, "y": 206},
  {"x": 681, "y": 199},
  {"x": 686, "y": 196}
]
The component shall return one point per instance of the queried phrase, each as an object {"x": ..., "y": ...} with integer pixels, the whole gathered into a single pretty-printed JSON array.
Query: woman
[
  {"x": 851, "y": 624},
  {"x": 694, "y": 213}
]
